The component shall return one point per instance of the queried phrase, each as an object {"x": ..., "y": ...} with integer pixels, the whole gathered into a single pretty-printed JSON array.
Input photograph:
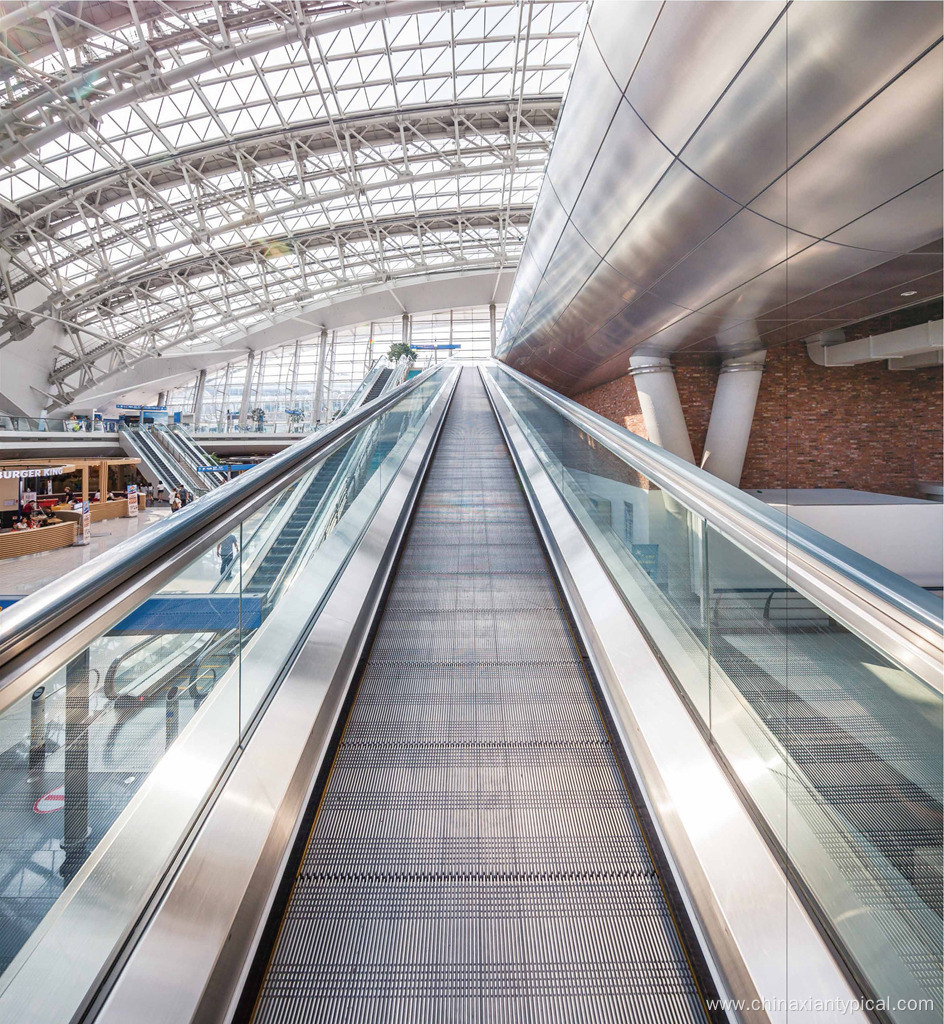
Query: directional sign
[
  {"x": 50, "y": 802},
  {"x": 431, "y": 348}
]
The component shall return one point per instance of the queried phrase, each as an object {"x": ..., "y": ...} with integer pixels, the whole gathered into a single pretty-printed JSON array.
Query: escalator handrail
[
  {"x": 872, "y": 600},
  {"x": 36, "y": 616}
]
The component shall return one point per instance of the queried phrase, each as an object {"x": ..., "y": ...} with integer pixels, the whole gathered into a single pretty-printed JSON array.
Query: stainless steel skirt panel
[{"x": 475, "y": 855}]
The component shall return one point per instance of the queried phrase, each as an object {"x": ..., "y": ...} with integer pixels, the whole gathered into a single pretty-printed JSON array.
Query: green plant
[{"x": 400, "y": 350}]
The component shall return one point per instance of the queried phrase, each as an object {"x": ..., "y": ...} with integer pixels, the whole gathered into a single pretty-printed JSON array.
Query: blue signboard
[
  {"x": 235, "y": 467},
  {"x": 145, "y": 408},
  {"x": 431, "y": 348}
]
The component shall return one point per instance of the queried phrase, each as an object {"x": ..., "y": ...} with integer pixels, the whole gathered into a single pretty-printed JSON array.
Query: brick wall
[{"x": 864, "y": 427}]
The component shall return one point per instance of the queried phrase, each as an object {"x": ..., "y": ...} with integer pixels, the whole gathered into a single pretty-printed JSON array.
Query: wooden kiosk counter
[
  {"x": 43, "y": 538},
  {"x": 14, "y": 543}
]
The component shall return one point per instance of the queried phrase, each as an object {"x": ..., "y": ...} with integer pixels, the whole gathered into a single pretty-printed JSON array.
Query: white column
[
  {"x": 732, "y": 414},
  {"x": 222, "y": 420},
  {"x": 405, "y": 329},
  {"x": 492, "y": 328},
  {"x": 247, "y": 389},
  {"x": 260, "y": 377},
  {"x": 293, "y": 387},
  {"x": 198, "y": 392},
  {"x": 369, "y": 351},
  {"x": 319, "y": 377},
  {"x": 660, "y": 406},
  {"x": 330, "y": 387}
]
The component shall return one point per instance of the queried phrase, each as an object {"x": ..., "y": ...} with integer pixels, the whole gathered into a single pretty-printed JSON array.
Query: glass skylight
[{"x": 210, "y": 166}]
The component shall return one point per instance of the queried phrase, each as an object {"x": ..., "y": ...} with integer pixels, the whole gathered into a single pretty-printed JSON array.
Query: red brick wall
[{"x": 864, "y": 427}]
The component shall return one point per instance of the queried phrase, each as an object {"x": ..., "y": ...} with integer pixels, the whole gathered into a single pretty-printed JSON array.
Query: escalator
[
  {"x": 476, "y": 849},
  {"x": 143, "y": 674},
  {"x": 187, "y": 452},
  {"x": 378, "y": 385},
  {"x": 156, "y": 465},
  {"x": 284, "y": 545}
]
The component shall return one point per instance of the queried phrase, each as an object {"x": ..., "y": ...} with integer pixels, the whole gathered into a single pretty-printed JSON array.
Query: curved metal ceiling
[
  {"x": 174, "y": 173},
  {"x": 728, "y": 176}
]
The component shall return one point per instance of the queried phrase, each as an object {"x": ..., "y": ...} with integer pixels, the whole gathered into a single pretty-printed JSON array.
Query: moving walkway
[{"x": 514, "y": 739}]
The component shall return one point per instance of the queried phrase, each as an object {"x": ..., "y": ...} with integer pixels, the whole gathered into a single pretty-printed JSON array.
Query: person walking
[
  {"x": 175, "y": 502},
  {"x": 227, "y": 549},
  {"x": 160, "y": 491}
]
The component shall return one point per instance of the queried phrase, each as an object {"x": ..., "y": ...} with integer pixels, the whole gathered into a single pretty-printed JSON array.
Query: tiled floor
[{"x": 26, "y": 574}]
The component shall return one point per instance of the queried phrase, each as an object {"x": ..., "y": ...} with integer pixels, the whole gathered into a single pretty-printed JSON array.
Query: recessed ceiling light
[{"x": 907, "y": 295}]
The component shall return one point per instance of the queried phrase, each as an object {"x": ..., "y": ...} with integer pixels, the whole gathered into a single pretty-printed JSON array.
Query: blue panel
[{"x": 192, "y": 613}]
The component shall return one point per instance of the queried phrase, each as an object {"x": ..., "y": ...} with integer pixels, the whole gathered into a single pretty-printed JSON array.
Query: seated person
[{"x": 20, "y": 524}]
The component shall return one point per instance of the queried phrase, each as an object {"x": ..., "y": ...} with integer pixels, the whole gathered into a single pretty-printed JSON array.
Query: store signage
[
  {"x": 144, "y": 408},
  {"x": 432, "y": 348},
  {"x": 83, "y": 535},
  {"x": 132, "y": 493},
  {"x": 37, "y": 471}
]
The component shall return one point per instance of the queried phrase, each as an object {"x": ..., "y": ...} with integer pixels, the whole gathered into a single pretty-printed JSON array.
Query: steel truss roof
[{"x": 174, "y": 172}]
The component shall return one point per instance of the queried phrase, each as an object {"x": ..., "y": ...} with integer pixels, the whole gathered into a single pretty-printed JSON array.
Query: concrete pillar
[
  {"x": 247, "y": 392},
  {"x": 162, "y": 398},
  {"x": 660, "y": 406},
  {"x": 198, "y": 398},
  {"x": 492, "y": 328},
  {"x": 732, "y": 414},
  {"x": 319, "y": 377},
  {"x": 405, "y": 329}
]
